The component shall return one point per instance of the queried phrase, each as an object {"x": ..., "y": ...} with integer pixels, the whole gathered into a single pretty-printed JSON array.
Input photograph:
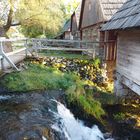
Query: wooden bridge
[{"x": 33, "y": 46}]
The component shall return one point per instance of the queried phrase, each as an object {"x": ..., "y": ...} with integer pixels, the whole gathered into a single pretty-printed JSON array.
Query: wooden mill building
[
  {"x": 94, "y": 13},
  {"x": 126, "y": 23},
  {"x": 66, "y": 30},
  {"x": 75, "y": 18}
]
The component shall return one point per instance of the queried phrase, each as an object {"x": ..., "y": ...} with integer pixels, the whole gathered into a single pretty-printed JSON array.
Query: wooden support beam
[
  {"x": 6, "y": 57},
  {"x": 130, "y": 84}
]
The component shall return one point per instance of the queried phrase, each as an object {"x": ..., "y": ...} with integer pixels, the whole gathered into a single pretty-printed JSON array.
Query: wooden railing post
[
  {"x": 1, "y": 54},
  {"x": 25, "y": 44}
]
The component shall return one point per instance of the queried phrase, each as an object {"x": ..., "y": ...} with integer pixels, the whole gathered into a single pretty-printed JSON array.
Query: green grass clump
[
  {"x": 38, "y": 77},
  {"x": 119, "y": 117},
  {"x": 87, "y": 104},
  {"x": 102, "y": 97},
  {"x": 68, "y": 55}
]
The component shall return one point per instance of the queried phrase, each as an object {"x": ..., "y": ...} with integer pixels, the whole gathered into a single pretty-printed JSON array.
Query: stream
[{"x": 41, "y": 116}]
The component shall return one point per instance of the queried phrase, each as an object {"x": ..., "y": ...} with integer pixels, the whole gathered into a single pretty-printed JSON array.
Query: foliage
[
  {"x": 32, "y": 31},
  {"x": 120, "y": 116},
  {"x": 69, "y": 7},
  {"x": 47, "y": 78},
  {"x": 102, "y": 97},
  {"x": 87, "y": 104},
  {"x": 44, "y": 14},
  {"x": 96, "y": 62},
  {"x": 48, "y": 15}
]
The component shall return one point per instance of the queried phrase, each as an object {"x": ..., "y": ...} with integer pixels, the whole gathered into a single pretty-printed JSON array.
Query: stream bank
[{"x": 95, "y": 103}]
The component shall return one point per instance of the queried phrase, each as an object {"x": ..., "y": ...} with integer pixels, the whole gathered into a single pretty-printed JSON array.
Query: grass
[
  {"x": 102, "y": 96},
  {"x": 119, "y": 116},
  {"x": 86, "y": 104},
  {"x": 40, "y": 77},
  {"x": 69, "y": 55}
]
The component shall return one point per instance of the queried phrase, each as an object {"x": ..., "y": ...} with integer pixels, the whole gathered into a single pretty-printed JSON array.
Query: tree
[
  {"x": 69, "y": 7},
  {"x": 44, "y": 14}
]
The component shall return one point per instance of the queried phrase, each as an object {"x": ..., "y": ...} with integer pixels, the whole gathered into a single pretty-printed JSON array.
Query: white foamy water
[
  {"x": 74, "y": 129},
  {"x": 4, "y": 97}
]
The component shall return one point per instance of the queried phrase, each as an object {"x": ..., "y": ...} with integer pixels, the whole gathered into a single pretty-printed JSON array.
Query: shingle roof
[
  {"x": 110, "y": 7},
  {"x": 102, "y": 11},
  {"x": 128, "y": 16}
]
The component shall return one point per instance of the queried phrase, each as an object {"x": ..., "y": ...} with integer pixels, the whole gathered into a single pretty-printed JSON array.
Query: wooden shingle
[
  {"x": 101, "y": 11},
  {"x": 128, "y": 16},
  {"x": 110, "y": 7}
]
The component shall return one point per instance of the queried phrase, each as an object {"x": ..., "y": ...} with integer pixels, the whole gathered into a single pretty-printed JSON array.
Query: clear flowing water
[
  {"x": 74, "y": 129},
  {"x": 34, "y": 116}
]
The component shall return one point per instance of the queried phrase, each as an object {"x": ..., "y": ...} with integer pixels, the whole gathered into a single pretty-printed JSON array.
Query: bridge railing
[
  {"x": 33, "y": 46},
  {"x": 12, "y": 51},
  {"x": 94, "y": 48}
]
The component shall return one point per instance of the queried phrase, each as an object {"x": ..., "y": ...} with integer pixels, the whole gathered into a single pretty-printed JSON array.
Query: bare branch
[{"x": 9, "y": 20}]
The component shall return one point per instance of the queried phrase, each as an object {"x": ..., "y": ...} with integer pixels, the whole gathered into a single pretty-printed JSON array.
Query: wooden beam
[
  {"x": 130, "y": 84},
  {"x": 71, "y": 41}
]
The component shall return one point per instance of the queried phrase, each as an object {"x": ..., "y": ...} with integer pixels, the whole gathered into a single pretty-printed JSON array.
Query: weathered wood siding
[
  {"x": 74, "y": 27},
  {"x": 92, "y": 13},
  {"x": 110, "y": 45},
  {"x": 128, "y": 55},
  {"x": 67, "y": 35}
]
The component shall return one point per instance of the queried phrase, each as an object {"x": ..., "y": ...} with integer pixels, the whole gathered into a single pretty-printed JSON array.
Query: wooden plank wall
[
  {"x": 74, "y": 27},
  {"x": 128, "y": 55},
  {"x": 110, "y": 51},
  {"x": 92, "y": 13}
]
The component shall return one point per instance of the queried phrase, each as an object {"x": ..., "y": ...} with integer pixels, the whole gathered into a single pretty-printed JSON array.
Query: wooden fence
[{"x": 22, "y": 47}]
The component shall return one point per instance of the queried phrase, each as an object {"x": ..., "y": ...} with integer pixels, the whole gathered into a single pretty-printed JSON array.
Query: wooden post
[
  {"x": 2, "y": 64},
  {"x": 26, "y": 51},
  {"x": 1, "y": 53},
  {"x": 93, "y": 53}
]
